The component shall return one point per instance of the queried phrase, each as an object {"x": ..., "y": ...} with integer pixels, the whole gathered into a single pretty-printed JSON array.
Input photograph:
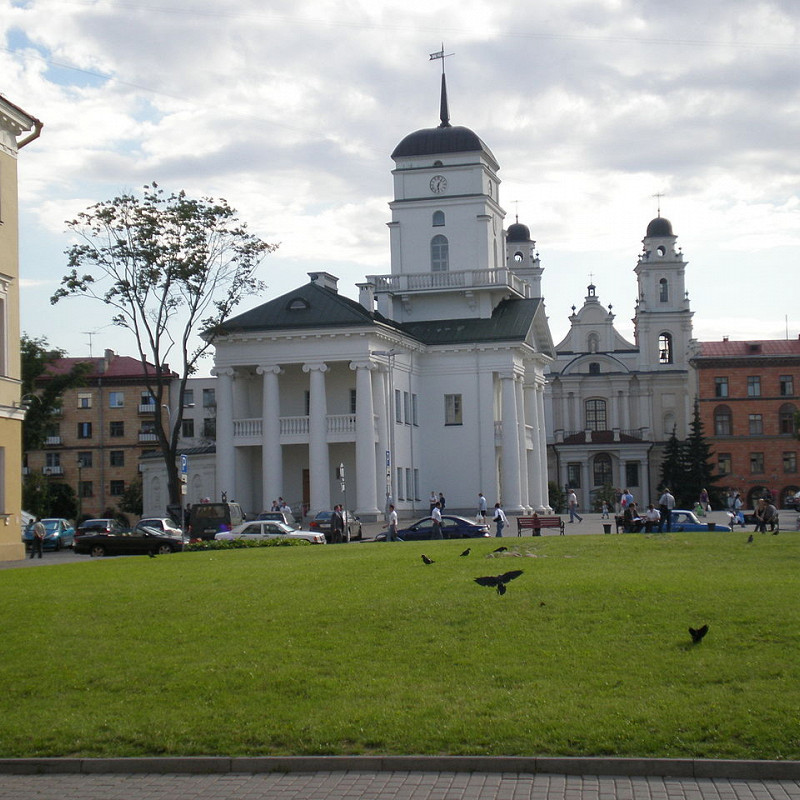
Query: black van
[{"x": 207, "y": 519}]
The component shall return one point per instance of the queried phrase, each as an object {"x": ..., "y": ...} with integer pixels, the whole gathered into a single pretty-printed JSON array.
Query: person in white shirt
[
  {"x": 481, "y": 506},
  {"x": 666, "y": 503},
  {"x": 437, "y": 521},
  {"x": 572, "y": 503},
  {"x": 652, "y": 518},
  {"x": 500, "y": 519},
  {"x": 391, "y": 533}
]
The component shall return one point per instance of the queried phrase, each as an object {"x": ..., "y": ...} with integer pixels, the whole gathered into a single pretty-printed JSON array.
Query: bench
[{"x": 536, "y": 524}]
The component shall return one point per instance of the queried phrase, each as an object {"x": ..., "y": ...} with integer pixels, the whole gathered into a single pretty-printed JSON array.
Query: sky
[{"x": 290, "y": 110}]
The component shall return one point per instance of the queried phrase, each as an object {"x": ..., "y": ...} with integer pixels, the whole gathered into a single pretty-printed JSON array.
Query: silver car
[{"x": 269, "y": 529}]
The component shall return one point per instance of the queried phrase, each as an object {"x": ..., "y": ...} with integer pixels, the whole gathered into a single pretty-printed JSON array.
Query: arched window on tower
[
  {"x": 723, "y": 422},
  {"x": 438, "y": 219},
  {"x": 596, "y": 415},
  {"x": 440, "y": 254},
  {"x": 665, "y": 348},
  {"x": 663, "y": 293}
]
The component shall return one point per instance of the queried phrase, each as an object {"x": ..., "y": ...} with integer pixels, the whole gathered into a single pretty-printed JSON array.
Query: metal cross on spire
[
  {"x": 658, "y": 196},
  {"x": 441, "y": 54}
]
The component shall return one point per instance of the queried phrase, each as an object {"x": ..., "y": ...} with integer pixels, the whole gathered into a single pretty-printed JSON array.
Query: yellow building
[{"x": 14, "y": 122}]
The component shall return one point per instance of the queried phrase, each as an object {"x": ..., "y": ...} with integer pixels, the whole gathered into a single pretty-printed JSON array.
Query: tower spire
[{"x": 444, "y": 111}]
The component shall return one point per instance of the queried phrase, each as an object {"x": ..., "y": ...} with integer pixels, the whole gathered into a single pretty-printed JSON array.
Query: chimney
[
  {"x": 366, "y": 296},
  {"x": 325, "y": 280}
]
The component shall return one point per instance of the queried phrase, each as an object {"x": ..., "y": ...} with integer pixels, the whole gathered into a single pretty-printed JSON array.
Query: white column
[
  {"x": 534, "y": 457},
  {"x": 542, "y": 446},
  {"x": 383, "y": 485},
  {"x": 366, "y": 469},
  {"x": 318, "y": 458},
  {"x": 519, "y": 391},
  {"x": 511, "y": 466},
  {"x": 226, "y": 471},
  {"x": 271, "y": 451}
]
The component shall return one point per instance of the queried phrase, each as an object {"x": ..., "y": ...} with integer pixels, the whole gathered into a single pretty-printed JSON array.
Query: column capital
[
  {"x": 269, "y": 369},
  {"x": 363, "y": 363},
  {"x": 223, "y": 372},
  {"x": 315, "y": 366}
]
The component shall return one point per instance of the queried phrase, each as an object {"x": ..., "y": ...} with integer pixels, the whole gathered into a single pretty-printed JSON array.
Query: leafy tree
[
  {"x": 132, "y": 500},
  {"x": 63, "y": 501},
  {"x": 36, "y": 494},
  {"x": 167, "y": 266},
  {"x": 555, "y": 497},
  {"x": 43, "y": 398}
]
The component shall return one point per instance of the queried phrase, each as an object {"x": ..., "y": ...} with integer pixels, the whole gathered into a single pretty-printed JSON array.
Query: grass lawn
[{"x": 364, "y": 649}]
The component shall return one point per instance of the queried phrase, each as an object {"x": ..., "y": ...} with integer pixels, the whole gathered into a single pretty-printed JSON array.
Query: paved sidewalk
[{"x": 396, "y": 785}]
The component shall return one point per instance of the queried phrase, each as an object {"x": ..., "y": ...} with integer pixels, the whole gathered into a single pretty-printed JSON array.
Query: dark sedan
[
  {"x": 322, "y": 523},
  {"x": 452, "y": 528},
  {"x": 138, "y": 542}
]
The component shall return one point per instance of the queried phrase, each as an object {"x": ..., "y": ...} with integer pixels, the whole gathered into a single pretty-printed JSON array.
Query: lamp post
[
  {"x": 390, "y": 422},
  {"x": 80, "y": 468}
]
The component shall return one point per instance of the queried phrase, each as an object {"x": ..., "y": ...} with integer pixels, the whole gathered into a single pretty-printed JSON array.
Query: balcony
[
  {"x": 613, "y": 436},
  {"x": 52, "y": 471},
  {"x": 295, "y": 430},
  {"x": 460, "y": 280},
  {"x": 147, "y": 408},
  {"x": 52, "y": 441},
  {"x": 148, "y": 437}
]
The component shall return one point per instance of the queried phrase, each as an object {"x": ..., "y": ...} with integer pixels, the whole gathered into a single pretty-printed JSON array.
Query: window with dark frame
[{"x": 452, "y": 409}]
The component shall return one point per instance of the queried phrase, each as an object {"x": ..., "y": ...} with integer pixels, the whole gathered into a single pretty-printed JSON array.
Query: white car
[
  {"x": 269, "y": 529},
  {"x": 162, "y": 524}
]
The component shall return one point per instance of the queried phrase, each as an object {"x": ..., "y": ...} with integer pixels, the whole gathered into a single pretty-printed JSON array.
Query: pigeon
[
  {"x": 750, "y": 538},
  {"x": 499, "y": 581},
  {"x": 426, "y": 559},
  {"x": 499, "y": 549},
  {"x": 152, "y": 555},
  {"x": 466, "y": 552},
  {"x": 698, "y": 634}
]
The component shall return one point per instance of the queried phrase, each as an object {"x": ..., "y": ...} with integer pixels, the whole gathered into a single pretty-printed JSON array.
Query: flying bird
[
  {"x": 499, "y": 549},
  {"x": 466, "y": 552},
  {"x": 698, "y": 634},
  {"x": 426, "y": 559},
  {"x": 499, "y": 581}
]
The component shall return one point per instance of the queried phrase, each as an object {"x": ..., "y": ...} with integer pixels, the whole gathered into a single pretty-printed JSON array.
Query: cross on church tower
[{"x": 658, "y": 196}]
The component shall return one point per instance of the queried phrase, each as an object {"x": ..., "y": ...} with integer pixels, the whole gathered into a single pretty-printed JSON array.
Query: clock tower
[{"x": 446, "y": 216}]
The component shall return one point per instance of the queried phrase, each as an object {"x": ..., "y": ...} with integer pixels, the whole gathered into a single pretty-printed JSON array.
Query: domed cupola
[
  {"x": 660, "y": 226},
  {"x": 518, "y": 233}
]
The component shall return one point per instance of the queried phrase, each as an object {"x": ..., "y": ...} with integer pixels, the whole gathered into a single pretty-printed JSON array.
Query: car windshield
[
  {"x": 51, "y": 525},
  {"x": 324, "y": 515}
]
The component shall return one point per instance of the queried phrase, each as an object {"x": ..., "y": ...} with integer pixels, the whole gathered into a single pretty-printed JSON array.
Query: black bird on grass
[
  {"x": 499, "y": 549},
  {"x": 698, "y": 634},
  {"x": 152, "y": 555},
  {"x": 466, "y": 552},
  {"x": 750, "y": 538},
  {"x": 499, "y": 581},
  {"x": 427, "y": 560}
]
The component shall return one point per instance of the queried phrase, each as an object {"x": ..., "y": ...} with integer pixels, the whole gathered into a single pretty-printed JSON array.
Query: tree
[
  {"x": 168, "y": 267},
  {"x": 43, "y": 398},
  {"x": 698, "y": 463},
  {"x": 132, "y": 500},
  {"x": 673, "y": 467}
]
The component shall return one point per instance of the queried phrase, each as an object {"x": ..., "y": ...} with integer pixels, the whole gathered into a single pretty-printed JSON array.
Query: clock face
[{"x": 438, "y": 184}]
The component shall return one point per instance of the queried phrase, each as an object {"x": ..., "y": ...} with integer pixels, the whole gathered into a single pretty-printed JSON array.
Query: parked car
[
  {"x": 206, "y": 519},
  {"x": 98, "y": 526},
  {"x": 136, "y": 542},
  {"x": 452, "y": 528},
  {"x": 286, "y": 517},
  {"x": 269, "y": 529},
  {"x": 163, "y": 524},
  {"x": 322, "y": 522},
  {"x": 683, "y": 520},
  {"x": 59, "y": 533}
]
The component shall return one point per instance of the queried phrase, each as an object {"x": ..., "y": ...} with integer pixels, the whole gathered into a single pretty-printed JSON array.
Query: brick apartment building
[
  {"x": 94, "y": 443},
  {"x": 749, "y": 394}
]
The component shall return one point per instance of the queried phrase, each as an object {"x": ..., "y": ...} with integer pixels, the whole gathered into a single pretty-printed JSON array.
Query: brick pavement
[{"x": 390, "y": 785}]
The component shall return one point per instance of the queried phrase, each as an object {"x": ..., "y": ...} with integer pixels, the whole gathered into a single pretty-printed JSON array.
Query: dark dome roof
[
  {"x": 659, "y": 227},
  {"x": 518, "y": 233},
  {"x": 444, "y": 139}
]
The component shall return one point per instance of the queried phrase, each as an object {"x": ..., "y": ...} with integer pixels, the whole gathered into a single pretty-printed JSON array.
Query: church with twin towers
[{"x": 443, "y": 376}]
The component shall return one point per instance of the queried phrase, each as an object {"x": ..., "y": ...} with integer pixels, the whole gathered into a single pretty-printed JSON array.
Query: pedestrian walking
[
  {"x": 572, "y": 504},
  {"x": 39, "y": 533},
  {"x": 437, "y": 521},
  {"x": 391, "y": 525},
  {"x": 481, "y": 507},
  {"x": 500, "y": 519}
]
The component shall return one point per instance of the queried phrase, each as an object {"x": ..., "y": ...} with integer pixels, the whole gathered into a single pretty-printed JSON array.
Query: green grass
[{"x": 364, "y": 649}]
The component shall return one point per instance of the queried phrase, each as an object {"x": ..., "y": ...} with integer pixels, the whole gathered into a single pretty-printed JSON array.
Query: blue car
[
  {"x": 452, "y": 528},
  {"x": 683, "y": 520},
  {"x": 58, "y": 533}
]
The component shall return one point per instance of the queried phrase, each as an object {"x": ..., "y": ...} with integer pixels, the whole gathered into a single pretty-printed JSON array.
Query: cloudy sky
[{"x": 290, "y": 110}]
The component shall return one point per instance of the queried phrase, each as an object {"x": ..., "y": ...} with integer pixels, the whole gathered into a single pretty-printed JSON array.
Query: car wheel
[
  {"x": 164, "y": 550},
  {"x": 58, "y": 545},
  {"x": 97, "y": 551}
]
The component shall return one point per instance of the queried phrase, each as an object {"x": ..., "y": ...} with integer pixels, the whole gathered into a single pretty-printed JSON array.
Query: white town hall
[{"x": 434, "y": 380}]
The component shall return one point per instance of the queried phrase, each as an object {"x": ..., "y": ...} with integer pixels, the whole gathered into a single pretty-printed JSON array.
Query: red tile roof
[
  {"x": 113, "y": 366},
  {"x": 751, "y": 347}
]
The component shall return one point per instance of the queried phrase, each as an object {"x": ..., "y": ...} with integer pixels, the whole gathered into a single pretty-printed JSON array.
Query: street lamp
[{"x": 390, "y": 421}]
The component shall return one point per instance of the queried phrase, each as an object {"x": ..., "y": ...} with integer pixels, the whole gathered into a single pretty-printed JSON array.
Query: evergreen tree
[
  {"x": 673, "y": 467},
  {"x": 699, "y": 468}
]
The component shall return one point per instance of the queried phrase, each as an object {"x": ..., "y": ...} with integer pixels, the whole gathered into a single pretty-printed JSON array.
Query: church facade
[
  {"x": 613, "y": 404},
  {"x": 433, "y": 381}
]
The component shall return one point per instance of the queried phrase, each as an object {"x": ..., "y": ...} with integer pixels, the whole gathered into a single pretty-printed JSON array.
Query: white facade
[
  {"x": 433, "y": 381},
  {"x": 613, "y": 404}
]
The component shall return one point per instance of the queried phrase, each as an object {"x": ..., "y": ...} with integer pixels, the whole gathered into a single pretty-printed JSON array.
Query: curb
[{"x": 199, "y": 765}]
